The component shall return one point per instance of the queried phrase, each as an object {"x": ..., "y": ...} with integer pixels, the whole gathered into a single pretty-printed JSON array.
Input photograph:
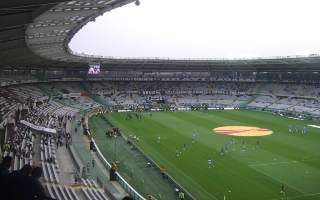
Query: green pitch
[{"x": 253, "y": 168}]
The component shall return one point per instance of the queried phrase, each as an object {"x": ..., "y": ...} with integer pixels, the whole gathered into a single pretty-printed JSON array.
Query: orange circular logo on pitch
[{"x": 244, "y": 131}]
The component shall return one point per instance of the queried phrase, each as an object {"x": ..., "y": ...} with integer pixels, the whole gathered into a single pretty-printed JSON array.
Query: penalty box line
[
  {"x": 281, "y": 162},
  {"x": 273, "y": 163},
  {"x": 297, "y": 197}
]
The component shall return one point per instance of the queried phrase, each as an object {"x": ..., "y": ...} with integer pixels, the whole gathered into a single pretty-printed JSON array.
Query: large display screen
[{"x": 94, "y": 68}]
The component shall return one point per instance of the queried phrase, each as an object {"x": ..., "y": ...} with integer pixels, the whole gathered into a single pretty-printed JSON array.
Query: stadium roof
[{"x": 34, "y": 34}]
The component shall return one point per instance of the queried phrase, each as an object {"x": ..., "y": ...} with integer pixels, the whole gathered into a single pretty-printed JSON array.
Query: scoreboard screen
[{"x": 94, "y": 69}]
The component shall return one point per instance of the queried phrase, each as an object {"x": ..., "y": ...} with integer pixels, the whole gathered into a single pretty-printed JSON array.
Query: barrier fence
[{"x": 126, "y": 186}]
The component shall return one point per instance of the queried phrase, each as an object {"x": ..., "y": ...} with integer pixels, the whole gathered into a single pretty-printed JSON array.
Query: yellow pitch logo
[{"x": 243, "y": 131}]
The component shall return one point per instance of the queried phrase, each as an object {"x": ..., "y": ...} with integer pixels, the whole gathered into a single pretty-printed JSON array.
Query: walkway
[{"x": 97, "y": 172}]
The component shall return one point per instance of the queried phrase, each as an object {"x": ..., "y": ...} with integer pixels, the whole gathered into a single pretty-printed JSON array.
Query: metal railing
[
  {"x": 126, "y": 186},
  {"x": 170, "y": 178}
]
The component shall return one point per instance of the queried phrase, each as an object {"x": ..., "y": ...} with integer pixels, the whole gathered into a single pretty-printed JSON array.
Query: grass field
[{"x": 248, "y": 171}]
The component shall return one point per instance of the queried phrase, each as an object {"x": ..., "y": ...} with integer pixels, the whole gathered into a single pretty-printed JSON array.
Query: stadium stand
[{"x": 27, "y": 145}]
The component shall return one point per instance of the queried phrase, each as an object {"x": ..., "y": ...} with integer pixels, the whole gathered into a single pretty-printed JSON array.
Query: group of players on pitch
[
  {"x": 297, "y": 129},
  {"x": 178, "y": 151},
  {"x": 225, "y": 148}
]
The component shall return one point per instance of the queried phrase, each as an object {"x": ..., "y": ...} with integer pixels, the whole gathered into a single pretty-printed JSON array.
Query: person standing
[
  {"x": 193, "y": 137},
  {"x": 177, "y": 152},
  {"x": 184, "y": 146},
  {"x": 181, "y": 195},
  {"x": 282, "y": 190},
  {"x": 210, "y": 163},
  {"x": 5, "y": 166},
  {"x": 34, "y": 190},
  {"x": 93, "y": 163}
]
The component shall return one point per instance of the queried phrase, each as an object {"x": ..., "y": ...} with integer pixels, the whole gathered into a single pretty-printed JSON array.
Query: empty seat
[
  {"x": 62, "y": 193},
  {"x": 41, "y": 155},
  {"x": 45, "y": 173},
  {"x": 16, "y": 163},
  {"x": 84, "y": 182},
  {"x": 55, "y": 175},
  {"x": 84, "y": 190},
  {"x": 56, "y": 193},
  {"x": 95, "y": 192},
  {"x": 94, "y": 183},
  {"x": 68, "y": 193},
  {"x": 20, "y": 163},
  {"x": 50, "y": 175},
  {"x": 103, "y": 195},
  {"x": 50, "y": 190},
  {"x": 91, "y": 193},
  {"x": 75, "y": 196}
]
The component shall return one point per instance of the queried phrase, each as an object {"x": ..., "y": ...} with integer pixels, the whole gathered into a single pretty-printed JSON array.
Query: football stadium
[{"x": 82, "y": 126}]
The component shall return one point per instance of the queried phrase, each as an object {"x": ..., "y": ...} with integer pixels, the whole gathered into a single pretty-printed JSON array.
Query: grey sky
[{"x": 204, "y": 29}]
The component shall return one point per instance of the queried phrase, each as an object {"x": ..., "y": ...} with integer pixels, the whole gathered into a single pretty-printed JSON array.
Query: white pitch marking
[
  {"x": 296, "y": 197},
  {"x": 273, "y": 163},
  {"x": 283, "y": 162},
  {"x": 314, "y": 126}
]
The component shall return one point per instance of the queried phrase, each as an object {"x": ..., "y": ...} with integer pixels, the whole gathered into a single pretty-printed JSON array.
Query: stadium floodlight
[{"x": 137, "y": 3}]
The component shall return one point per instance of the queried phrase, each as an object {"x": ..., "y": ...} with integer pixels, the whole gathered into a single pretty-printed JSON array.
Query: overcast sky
[{"x": 204, "y": 29}]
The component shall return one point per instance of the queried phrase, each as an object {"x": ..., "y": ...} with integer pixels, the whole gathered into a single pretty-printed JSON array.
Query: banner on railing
[{"x": 38, "y": 128}]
